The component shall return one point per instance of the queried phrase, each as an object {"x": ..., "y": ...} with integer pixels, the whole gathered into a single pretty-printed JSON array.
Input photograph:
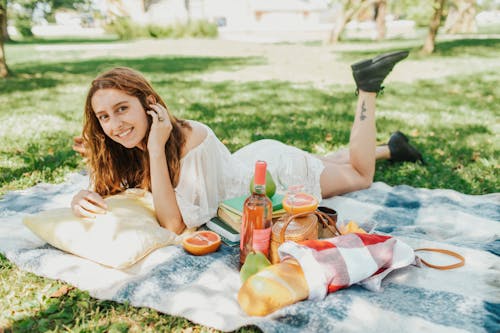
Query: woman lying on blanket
[{"x": 131, "y": 140}]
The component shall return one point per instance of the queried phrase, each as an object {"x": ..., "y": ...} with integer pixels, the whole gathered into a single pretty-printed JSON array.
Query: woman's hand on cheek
[
  {"x": 88, "y": 204},
  {"x": 79, "y": 146},
  {"x": 160, "y": 128}
]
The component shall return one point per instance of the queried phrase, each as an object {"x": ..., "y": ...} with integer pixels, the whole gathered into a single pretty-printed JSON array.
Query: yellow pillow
[{"x": 125, "y": 234}]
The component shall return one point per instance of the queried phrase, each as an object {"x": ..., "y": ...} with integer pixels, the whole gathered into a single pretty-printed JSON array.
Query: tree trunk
[
  {"x": 380, "y": 10},
  {"x": 339, "y": 27},
  {"x": 4, "y": 31},
  {"x": 3, "y": 19},
  {"x": 461, "y": 18},
  {"x": 469, "y": 18},
  {"x": 349, "y": 10},
  {"x": 430, "y": 41},
  {"x": 4, "y": 71},
  {"x": 146, "y": 4},
  {"x": 187, "y": 7}
]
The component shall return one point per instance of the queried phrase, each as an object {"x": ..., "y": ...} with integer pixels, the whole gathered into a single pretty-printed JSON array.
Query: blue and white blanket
[{"x": 203, "y": 289}]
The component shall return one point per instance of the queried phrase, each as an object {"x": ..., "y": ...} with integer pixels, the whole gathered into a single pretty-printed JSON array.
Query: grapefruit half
[{"x": 201, "y": 242}]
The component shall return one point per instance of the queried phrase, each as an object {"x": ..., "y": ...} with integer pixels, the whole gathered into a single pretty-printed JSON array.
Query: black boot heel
[
  {"x": 369, "y": 74},
  {"x": 401, "y": 150}
]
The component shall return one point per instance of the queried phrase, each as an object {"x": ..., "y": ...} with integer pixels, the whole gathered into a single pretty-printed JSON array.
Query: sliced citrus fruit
[
  {"x": 299, "y": 203},
  {"x": 201, "y": 242},
  {"x": 351, "y": 227}
]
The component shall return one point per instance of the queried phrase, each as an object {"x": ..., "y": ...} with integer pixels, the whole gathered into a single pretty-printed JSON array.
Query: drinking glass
[{"x": 292, "y": 174}]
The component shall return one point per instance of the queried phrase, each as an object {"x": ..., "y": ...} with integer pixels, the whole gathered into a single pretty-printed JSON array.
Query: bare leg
[
  {"x": 363, "y": 135},
  {"x": 382, "y": 153},
  {"x": 342, "y": 156},
  {"x": 358, "y": 173}
]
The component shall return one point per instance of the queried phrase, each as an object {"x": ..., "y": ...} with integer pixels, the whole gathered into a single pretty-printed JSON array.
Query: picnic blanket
[{"x": 203, "y": 289}]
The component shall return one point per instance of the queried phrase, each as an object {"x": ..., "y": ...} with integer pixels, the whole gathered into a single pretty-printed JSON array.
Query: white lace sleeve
[
  {"x": 209, "y": 175},
  {"x": 193, "y": 215}
]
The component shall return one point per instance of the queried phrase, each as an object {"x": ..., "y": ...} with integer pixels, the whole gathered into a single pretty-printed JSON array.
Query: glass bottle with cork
[{"x": 256, "y": 221}]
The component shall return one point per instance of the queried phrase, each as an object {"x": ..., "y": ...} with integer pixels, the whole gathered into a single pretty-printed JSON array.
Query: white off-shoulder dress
[{"x": 210, "y": 173}]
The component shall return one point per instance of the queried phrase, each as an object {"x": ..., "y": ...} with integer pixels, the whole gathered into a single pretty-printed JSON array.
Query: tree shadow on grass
[
  {"x": 23, "y": 82},
  {"x": 62, "y": 40},
  {"x": 50, "y": 154},
  {"x": 31, "y": 76},
  {"x": 163, "y": 65},
  {"x": 66, "y": 311},
  {"x": 477, "y": 47},
  {"x": 487, "y": 47},
  {"x": 240, "y": 113},
  {"x": 76, "y": 310},
  {"x": 450, "y": 161}
]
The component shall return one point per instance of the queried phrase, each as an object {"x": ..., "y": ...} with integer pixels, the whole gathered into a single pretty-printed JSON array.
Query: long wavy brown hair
[{"x": 113, "y": 167}]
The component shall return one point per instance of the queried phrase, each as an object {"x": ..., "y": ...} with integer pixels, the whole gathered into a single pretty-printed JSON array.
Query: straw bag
[{"x": 299, "y": 227}]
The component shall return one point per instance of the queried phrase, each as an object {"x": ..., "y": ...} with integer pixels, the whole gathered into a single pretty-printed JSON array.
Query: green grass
[
  {"x": 453, "y": 120},
  {"x": 63, "y": 40}
]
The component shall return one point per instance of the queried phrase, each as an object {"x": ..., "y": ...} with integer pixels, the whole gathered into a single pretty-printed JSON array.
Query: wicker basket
[{"x": 298, "y": 227}]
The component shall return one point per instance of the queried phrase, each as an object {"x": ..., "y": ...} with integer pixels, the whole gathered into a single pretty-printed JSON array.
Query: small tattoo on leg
[{"x": 363, "y": 111}]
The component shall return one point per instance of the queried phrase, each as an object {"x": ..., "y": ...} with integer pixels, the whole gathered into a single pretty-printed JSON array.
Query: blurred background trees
[
  {"x": 347, "y": 10},
  {"x": 128, "y": 19},
  {"x": 459, "y": 16},
  {"x": 26, "y": 13},
  {"x": 434, "y": 24},
  {"x": 3, "y": 23}
]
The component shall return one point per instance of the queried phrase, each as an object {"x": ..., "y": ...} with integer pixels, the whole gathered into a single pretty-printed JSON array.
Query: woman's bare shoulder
[{"x": 194, "y": 136}]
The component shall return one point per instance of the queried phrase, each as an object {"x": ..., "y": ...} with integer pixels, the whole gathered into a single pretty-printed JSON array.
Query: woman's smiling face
[{"x": 122, "y": 117}]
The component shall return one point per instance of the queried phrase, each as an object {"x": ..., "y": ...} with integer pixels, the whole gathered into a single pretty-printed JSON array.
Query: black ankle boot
[
  {"x": 369, "y": 74},
  {"x": 401, "y": 150}
]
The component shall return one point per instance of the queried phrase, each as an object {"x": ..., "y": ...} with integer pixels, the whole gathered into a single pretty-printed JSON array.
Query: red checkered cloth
[{"x": 338, "y": 262}]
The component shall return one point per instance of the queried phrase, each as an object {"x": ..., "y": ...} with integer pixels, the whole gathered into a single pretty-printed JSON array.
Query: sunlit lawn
[{"x": 453, "y": 121}]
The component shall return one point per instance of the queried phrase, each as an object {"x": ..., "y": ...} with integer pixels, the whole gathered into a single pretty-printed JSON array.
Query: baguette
[{"x": 272, "y": 288}]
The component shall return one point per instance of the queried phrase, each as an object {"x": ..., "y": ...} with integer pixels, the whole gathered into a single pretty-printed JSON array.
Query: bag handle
[
  {"x": 335, "y": 231},
  {"x": 321, "y": 217},
  {"x": 448, "y": 252}
]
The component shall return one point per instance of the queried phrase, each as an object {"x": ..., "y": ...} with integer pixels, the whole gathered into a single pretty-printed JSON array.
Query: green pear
[
  {"x": 270, "y": 185},
  {"x": 254, "y": 262}
]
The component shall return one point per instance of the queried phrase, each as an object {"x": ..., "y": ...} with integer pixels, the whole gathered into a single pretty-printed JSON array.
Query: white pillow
[{"x": 125, "y": 234}]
